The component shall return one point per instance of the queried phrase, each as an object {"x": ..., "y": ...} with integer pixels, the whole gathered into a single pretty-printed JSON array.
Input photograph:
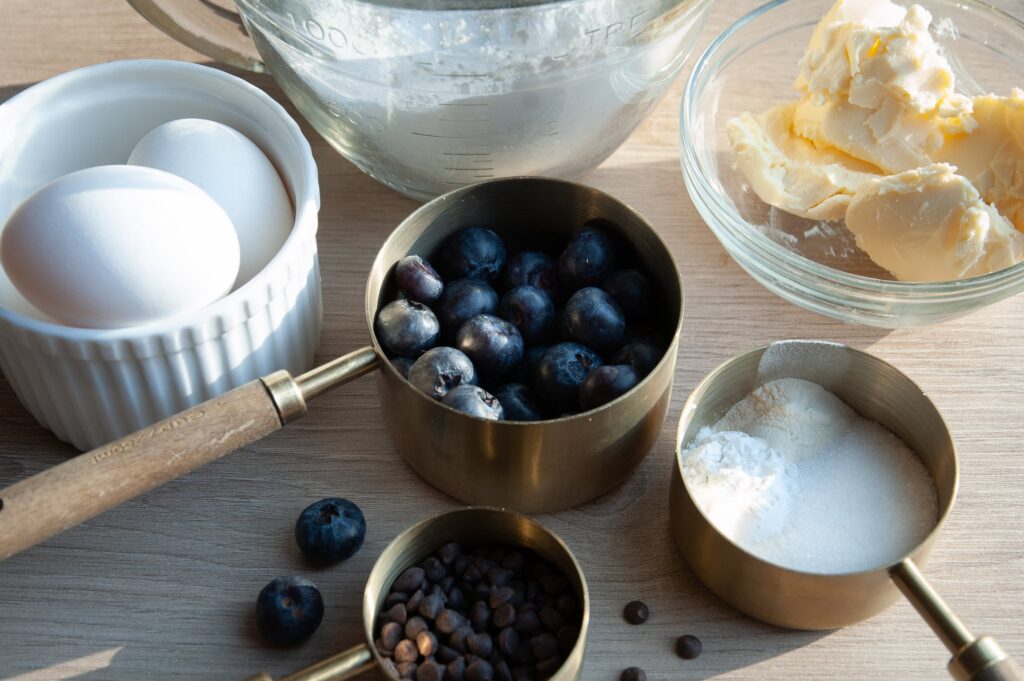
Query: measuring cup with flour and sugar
[
  {"x": 811, "y": 481},
  {"x": 429, "y": 95}
]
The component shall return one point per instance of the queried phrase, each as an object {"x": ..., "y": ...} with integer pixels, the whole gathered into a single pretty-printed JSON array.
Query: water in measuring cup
[{"x": 429, "y": 101}]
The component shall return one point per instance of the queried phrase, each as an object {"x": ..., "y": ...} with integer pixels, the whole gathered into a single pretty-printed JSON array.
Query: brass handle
[
  {"x": 974, "y": 659},
  {"x": 352, "y": 662},
  {"x": 205, "y": 27},
  {"x": 57, "y": 499}
]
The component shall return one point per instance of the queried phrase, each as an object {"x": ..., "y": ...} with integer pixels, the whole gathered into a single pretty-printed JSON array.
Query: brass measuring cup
[
  {"x": 469, "y": 525},
  {"x": 811, "y": 601},
  {"x": 532, "y": 467}
]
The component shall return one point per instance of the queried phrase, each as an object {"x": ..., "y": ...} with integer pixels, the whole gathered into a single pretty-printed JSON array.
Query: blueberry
[
  {"x": 403, "y": 364},
  {"x": 642, "y": 355},
  {"x": 493, "y": 344},
  {"x": 531, "y": 268},
  {"x": 439, "y": 370},
  {"x": 462, "y": 300},
  {"x": 606, "y": 383},
  {"x": 632, "y": 291},
  {"x": 474, "y": 401},
  {"x": 531, "y": 310},
  {"x": 526, "y": 372},
  {"x": 288, "y": 610},
  {"x": 331, "y": 530},
  {"x": 472, "y": 253},
  {"x": 518, "y": 402},
  {"x": 593, "y": 318},
  {"x": 418, "y": 280},
  {"x": 407, "y": 328},
  {"x": 560, "y": 374},
  {"x": 587, "y": 260}
]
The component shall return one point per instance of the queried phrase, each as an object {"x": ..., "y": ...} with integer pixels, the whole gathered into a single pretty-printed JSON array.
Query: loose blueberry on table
[
  {"x": 288, "y": 610},
  {"x": 503, "y": 344},
  {"x": 330, "y": 530}
]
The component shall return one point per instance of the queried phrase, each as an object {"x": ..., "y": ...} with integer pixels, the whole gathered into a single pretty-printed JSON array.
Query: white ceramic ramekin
[{"x": 91, "y": 386}]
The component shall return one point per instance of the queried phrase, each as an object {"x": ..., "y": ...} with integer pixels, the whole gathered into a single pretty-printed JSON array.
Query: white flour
[{"x": 795, "y": 476}]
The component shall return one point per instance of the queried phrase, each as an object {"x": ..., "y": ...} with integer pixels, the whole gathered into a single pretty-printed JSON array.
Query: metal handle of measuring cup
[
  {"x": 352, "y": 662},
  {"x": 206, "y": 27},
  {"x": 974, "y": 659}
]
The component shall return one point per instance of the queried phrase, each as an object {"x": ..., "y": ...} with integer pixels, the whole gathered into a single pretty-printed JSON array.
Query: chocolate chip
[
  {"x": 449, "y": 620},
  {"x": 384, "y": 652},
  {"x": 544, "y": 646},
  {"x": 396, "y": 613},
  {"x": 552, "y": 619},
  {"x": 480, "y": 616},
  {"x": 633, "y": 674},
  {"x": 462, "y": 564},
  {"x": 426, "y": 643},
  {"x": 414, "y": 626},
  {"x": 480, "y": 643},
  {"x": 430, "y": 671},
  {"x": 548, "y": 667},
  {"x": 433, "y": 569},
  {"x": 438, "y": 590},
  {"x": 505, "y": 616},
  {"x": 410, "y": 580},
  {"x": 501, "y": 596},
  {"x": 431, "y": 606},
  {"x": 499, "y": 576},
  {"x": 688, "y": 647},
  {"x": 480, "y": 670},
  {"x": 458, "y": 639},
  {"x": 414, "y": 601},
  {"x": 406, "y": 651},
  {"x": 636, "y": 612},
  {"x": 390, "y": 668},
  {"x": 502, "y": 672},
  {"x": 446, "y": 655},
  {"x": 449, "y": 552},
  {"x": 390, "y": 635},
  {"x": 457, "y": 669},
  {"x": 472, "y": 574},
  {"x": 509, "y": 641},
  {"x": 456, "y": 598},
  {"x": 528, "y": 622},
  {"x": 482, "y": 591},
  {"x": 485, "y": 565},
  {"x": 407, "y": 670},
  {"x": 567, "y": 636},
  {"x": 447, "y": 583},
  {"x": 395, "y": 597}
]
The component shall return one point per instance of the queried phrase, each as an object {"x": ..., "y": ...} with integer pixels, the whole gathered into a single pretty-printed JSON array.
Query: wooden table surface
[{"x": 163, "y": 587}]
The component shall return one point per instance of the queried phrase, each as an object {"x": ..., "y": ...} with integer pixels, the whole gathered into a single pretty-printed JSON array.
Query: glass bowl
[{"x": 817, "y": 265}]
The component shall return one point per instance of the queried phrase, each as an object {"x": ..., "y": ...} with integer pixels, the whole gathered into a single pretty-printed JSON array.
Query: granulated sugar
[{"x": 796, "y": 477}]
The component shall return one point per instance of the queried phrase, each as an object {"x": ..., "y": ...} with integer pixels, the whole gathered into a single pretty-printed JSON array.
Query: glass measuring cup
[{"x": 428, "y": 96}]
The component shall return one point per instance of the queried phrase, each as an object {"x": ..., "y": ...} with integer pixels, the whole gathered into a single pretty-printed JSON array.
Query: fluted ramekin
[{"x": 90, "y": 386}]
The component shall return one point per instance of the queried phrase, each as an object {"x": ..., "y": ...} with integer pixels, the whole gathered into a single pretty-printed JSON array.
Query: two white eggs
[{"x": 196, "y": 213}]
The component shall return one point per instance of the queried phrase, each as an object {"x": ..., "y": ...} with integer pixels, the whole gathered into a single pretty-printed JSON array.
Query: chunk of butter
[
  {"x": 788, "y": 171},
  {"x": 992, "y": 155},
  {"x": 930, "y": 224}
]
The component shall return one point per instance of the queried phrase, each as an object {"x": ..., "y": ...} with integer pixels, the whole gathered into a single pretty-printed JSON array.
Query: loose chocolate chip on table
[
  {"x": 480, "y": 644},
  {"x": 426, "y": 643},
  {"x": 505, "y": 616},
  {"x": 544, "y": 646},
  {"x": 414, "y": 626},
  {"x": 390, "y": 635},
  {"x": 688, "y": 647},
  {"x": 410, "y": 580},
  {"x": 480, "y": 670},
  {"x": 430, "y": 671},
  {"x": 636, "y": 612},
  {"x": 633, "y": 674},
  {"x": 406, "y": 651}
]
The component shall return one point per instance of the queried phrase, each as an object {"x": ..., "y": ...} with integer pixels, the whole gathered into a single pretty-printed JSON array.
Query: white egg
[
  {"x": 230, "y": 168},
  {"x": 117, "y": 246}
]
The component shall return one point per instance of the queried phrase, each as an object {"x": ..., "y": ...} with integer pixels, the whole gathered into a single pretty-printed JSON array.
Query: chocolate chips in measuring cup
[{"x": 482, "y": 613}]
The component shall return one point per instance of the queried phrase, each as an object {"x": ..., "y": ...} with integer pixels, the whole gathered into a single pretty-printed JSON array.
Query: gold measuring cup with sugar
[
  {"x": 532, "y": 467},
  {"x": 814, "y": 601},
  {"x": 467, "y": 526}
]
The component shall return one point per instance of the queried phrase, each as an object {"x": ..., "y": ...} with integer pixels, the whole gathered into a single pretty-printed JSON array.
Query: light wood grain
[
  {"x": 36, "y": 508},
  {"x": 164, "y": 586}
]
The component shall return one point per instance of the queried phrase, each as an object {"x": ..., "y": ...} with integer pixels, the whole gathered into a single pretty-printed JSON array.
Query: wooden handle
[{"x": 46, "y": 504}]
